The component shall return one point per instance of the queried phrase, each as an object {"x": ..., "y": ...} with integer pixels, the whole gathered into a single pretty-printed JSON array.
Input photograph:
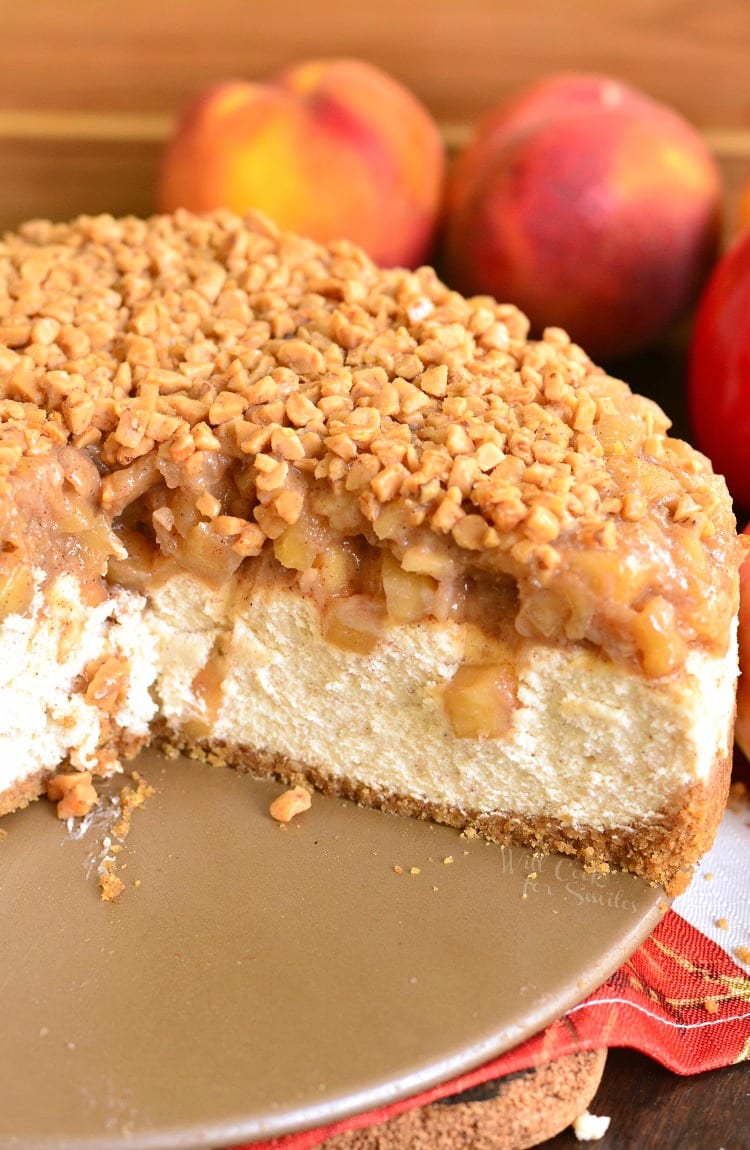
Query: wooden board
[
  {"x": 88, "y": 91},
  {"x": 149, "y": 55}
]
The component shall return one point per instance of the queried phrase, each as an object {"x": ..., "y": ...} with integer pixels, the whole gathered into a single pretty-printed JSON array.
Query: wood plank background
[{"x": 90, "y": 88}]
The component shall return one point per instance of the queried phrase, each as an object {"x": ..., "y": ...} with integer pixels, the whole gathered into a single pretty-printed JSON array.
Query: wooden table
[{"x": 652, "y": 1109}]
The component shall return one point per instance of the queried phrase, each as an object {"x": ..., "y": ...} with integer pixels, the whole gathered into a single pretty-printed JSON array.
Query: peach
[
  {"x": 743, "y": 207},
  {"x": 742, "y": 723},
  {"x": 331, "y": 149},
  {"x": 590, "y": 206}
]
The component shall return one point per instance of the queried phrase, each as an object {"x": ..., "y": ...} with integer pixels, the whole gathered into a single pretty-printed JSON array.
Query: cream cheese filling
[
  {"x": 589, "y": 742},
  {"x": 43, "y": 655}
]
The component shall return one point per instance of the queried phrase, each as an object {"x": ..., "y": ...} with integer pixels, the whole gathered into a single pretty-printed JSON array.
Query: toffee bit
[
  {"x": 74, "y": 794},
  {"x": 292, "y": 802}
]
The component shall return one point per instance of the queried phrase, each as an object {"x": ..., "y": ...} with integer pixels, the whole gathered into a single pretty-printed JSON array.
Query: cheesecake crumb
[
  {"x": 678, "y": 884},
  {"x": 591, "y": 1127},
  {"x": 111, "y": 885},
  {"x": 711, "y": 1005},
  {"x": 292, "y": 802},
  {"x": 398, "y": 869},
  {"x": 132, "y": 796},
  {"x": 415, "y": 870},
  {"x": 743, "y": 953},
  {"x": 448, "y": 860},
  {"x": 722, "y": 924},
  {"x": 708, "y": 876}
]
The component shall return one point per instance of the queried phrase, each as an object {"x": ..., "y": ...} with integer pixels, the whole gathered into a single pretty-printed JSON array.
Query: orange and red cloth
[{"x": 683, "y": 998}]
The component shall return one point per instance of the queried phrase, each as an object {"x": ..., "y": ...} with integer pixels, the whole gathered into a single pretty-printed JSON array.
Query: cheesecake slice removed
[{"x": 274, "y": 506}]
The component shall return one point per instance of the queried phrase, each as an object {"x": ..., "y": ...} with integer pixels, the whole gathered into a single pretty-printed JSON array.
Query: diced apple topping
[
  {"x": 16, "y": 590},
  {"x": 409, "y": 597},
  {"x": 327, "y": 414},
  {"x": 480, "y": 699},
  {"x": 134, "y": 569},
  {"x": 543, "y": 613},
  {"x": 299, "y": 545},
  {"x": 338, "y": 567},
  {"x": 355, "y": 623},
  {"x": 428, "y": 556},
  {"x": 208, "y": 555},
  {"x": 661, "y": 647}
]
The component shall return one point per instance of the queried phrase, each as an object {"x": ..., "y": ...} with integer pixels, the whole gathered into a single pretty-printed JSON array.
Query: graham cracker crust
[
  {"x": 33, "y": 786},
  {"x": 662, "y": 850},
  {"x": 24, "y": 792}
]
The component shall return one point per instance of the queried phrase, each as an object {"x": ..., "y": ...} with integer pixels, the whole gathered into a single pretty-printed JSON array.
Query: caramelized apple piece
[
  {"x": 480, "y": 699},
  {"x": 75, "y": 515},
  {"x": 299, "y": 545},
  {"x": 355, "y": 623},
  {"x": 185, "y": 515},
  {"x": 427, "y": 555},
  {"x": 208, "y": 555},
  {"x": 74, "y": 794},
  {"x": 338, "y": 567},
  {"x": 661, "y": 647},
  {"x": 16, "y": 590},
  {"x": 134, "y": 569},
  {"x": 409, "y": 597}
]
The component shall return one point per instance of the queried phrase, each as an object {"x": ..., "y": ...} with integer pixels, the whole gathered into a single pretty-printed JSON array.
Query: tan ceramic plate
[{"x": 255, "y": 980}]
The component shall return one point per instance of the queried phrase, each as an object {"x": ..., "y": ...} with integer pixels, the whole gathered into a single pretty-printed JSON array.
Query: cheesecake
[{"x": 280, "y": 509}]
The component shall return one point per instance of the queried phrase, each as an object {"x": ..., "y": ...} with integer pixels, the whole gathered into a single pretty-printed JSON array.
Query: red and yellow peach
[
  {"x": 332, "y": 149},
  {"x": 590, "y": 206}
]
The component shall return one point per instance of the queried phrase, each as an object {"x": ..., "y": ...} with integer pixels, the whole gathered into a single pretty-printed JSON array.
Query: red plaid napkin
[{"x": 683, "y": 998}]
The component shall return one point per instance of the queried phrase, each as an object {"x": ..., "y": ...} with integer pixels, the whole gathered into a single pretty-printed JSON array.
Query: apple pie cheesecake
[{"x": 281, "y": 509}]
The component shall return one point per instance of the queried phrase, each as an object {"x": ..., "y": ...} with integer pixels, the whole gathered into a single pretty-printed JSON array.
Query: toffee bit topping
[
  {"x": 292, "y": 802},
  {"x": 229, "y": 381},
  {"x": 74, "y": 794}
]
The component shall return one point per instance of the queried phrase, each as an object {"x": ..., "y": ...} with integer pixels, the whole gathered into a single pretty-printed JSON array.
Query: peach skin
[
  {"x": 742, "y": 722},
  {"x": 590, "y": 206},
  {"x": 331, "y": 149}
]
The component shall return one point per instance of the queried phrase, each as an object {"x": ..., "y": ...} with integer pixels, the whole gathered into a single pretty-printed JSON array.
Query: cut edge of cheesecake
[{"x": 595, "y": 760}]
